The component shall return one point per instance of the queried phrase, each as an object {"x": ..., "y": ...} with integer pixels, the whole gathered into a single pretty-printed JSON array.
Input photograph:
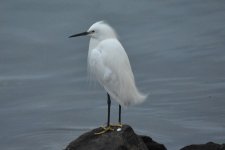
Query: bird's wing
[
  {"x": 109, "y": 54},
  {"x": 109, "y": 63}
]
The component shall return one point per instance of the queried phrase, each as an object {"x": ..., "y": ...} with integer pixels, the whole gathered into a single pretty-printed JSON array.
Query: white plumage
[{"x": 109, "y": 64}]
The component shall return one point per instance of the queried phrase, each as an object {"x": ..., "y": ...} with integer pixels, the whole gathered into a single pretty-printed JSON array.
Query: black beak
[{"x": 79, "y": 34}]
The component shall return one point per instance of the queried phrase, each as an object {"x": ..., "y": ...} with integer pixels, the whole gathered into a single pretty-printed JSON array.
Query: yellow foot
[
  {"x": 105, "y": 129},
  {"x": 119, "y": 125}
]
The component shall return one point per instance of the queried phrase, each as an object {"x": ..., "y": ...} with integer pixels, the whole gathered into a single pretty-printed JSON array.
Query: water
[{"x": 177, "y": 53}]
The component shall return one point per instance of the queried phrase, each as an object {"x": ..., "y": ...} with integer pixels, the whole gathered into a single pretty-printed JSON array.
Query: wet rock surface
[
  {"x": 207, "y": 146},
  {"x": 125, "y": 139}
]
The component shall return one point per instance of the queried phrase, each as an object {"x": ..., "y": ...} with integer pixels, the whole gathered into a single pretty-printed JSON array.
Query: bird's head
[{"x": 99, "y": 30}]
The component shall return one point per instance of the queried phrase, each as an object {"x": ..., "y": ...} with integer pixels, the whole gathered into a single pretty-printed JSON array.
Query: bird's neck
[{"x": 93, "y": 43}]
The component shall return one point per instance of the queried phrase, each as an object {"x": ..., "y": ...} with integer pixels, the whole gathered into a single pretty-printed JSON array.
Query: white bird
[{"x": 109, "y": 64}]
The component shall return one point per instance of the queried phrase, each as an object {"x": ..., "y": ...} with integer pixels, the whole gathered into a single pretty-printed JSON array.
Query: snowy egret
[{"x": 109, "y": 64}]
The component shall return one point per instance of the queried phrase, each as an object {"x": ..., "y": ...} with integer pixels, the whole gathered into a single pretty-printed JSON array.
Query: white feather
[{"x": 109, "y": 64}]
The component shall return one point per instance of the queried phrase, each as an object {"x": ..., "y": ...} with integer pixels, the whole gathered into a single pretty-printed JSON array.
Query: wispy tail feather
[
  {"x": 129, "y": 94},
  {"x": 137, "y": 97},
  {"x": 140, "y": 98}
]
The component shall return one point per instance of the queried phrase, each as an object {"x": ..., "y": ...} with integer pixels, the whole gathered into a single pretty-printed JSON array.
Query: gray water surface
[{"x": 176, "y": 49}]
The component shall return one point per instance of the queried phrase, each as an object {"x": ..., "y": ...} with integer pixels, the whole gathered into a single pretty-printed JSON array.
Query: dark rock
[
  {"x": 125, "y": 139},
  {"x": 207, "y": 146},
  {"x": 152, "y": 145}
]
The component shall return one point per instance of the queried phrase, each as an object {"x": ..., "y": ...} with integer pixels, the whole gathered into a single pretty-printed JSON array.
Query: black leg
[
  {"x": 109, "y": 104},
  {"x": 119, "y": 114}
]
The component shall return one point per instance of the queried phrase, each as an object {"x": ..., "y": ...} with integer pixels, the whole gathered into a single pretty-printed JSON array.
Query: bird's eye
[{"x": 93, "y": 31}]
